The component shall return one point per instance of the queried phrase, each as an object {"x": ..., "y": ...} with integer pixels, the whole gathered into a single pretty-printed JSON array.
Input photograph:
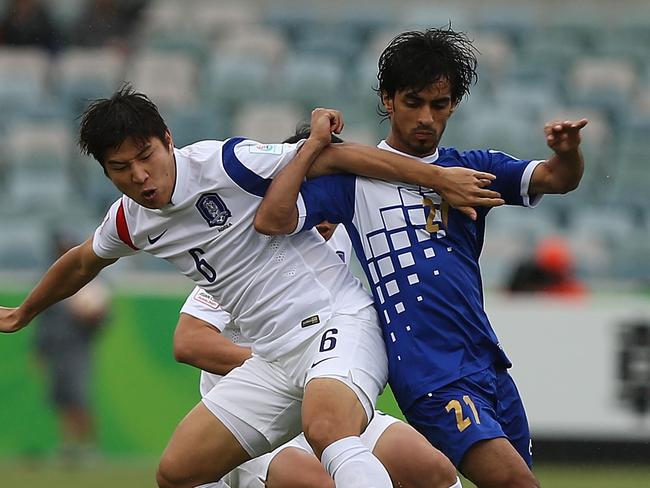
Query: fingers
[
  {"x": 483, "y": 182},
  {"x": 490, "y": 202},
  {"x": 483, "y": 193},
  {"x": 566, "y": 125},
  {"x": 469, "y": 211},
  {"x": 334, "y": 117},
  {"x": 484, "y": 176}
]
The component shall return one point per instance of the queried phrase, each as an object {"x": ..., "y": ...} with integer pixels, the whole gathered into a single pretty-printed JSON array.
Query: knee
[
  {"x": 325, "y": 482},
  {"x": 525, "y": 479},
  {"x": 433, "y": 471},
  {"x": 321, "y": 432},
  {"x": 168, "y": 476}
]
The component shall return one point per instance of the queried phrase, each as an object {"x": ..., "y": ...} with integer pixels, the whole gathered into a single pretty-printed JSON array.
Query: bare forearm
[
  {"x": 278, "y": 213},
  {"x": 561, "y": 173},
  {"x": 220, "y": 362},
  {"x": 63, "y": 279},
  {"x": 569, "y": 167},
  {"x": 373, "y": 162},
  {"x": 199, "y": 344}
]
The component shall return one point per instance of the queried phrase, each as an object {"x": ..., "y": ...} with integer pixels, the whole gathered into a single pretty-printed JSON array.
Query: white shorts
[
  {"x": 254, "y": 472},
  {"x": 260, "y": 401}
]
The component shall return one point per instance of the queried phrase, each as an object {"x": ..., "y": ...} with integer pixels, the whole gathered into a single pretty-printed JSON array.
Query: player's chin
[
  {"x": 424, "y": 147},
  {"x": 152, "y": 204}
]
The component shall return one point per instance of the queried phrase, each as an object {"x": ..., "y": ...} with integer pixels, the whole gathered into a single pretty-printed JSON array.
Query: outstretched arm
[
  {"x": 562, "y": 172},
  {"x": 463, "y": 188},
  {"x": 65, "y": 277},
  {"x": 199, "y": 344}
]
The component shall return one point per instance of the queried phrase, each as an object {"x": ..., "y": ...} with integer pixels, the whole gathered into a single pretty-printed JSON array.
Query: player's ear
[
  {"x": 388, "y": 102},
  {"x": 453, "y": 109},
  {"x": 169, "y": 141}
]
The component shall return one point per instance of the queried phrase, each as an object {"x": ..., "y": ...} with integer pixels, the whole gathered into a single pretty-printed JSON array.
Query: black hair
[
  {"x": 303, "y": 130},
  {"x": 416, "y": 59},
  {"x": 108, "y": 122}
]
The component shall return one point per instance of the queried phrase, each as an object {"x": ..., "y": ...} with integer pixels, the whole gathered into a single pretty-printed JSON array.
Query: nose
[
  {"x": 138, "y": 173},
  {"x": 425, "y": 116}
]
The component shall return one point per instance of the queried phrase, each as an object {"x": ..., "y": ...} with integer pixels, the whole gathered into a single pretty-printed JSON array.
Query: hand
[
  {"x": 564, "y": 136},
  {"x": 464, "y": 188},
  {"x": 324, "y": 121},
  {"x": 10, "y": 320}
]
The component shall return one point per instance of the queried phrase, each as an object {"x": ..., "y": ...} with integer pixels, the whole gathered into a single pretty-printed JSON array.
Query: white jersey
[
  {"x": 280, "y": 288},
  {"x": 202, "y": 305}
]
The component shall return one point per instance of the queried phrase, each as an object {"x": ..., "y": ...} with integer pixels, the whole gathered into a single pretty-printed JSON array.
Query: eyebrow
[{"x": 142, "y": 151}]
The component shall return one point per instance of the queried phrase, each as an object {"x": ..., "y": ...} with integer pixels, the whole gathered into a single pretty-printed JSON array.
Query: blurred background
[{"x": 567, "y": 285}]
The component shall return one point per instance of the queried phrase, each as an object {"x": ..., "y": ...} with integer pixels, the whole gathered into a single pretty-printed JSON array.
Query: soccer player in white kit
[
  {"x": 195, "y": 207},
  {"x": 293, "y": 465}
]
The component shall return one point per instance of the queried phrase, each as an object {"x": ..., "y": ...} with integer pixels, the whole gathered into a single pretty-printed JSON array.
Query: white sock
[
  {"x": 352, "y": 465},
  {"x": 217, "y": 484},
  {"x": 457, "y": 484}
]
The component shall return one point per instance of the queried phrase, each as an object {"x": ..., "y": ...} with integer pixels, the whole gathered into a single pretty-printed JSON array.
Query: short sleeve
[
  {"x": 252, "y": 165},
  {"x": 330, "y": 198},
  {"x": 107, "y": 242},
  {"x": 203, "y": 306},
  {"x": 512, "y": 175}
]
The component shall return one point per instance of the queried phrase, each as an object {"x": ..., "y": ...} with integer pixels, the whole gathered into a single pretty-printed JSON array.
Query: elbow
[
  {"x": 271, "y": 226},
  {"x": 568, "y": 187},
  {"x": 183, "y": 352}
]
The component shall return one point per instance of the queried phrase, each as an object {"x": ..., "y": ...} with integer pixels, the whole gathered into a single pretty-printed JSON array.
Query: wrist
[
  {"x": 439, "y": 179},
  {"x": 314, "y": 145},
  {"x": 569, "y": 154}
]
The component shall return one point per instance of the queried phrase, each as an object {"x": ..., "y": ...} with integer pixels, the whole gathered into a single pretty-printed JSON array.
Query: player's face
[
  {"x": 326, "y": 229},
  {"x": 418, "y": 119},
  {"x": 146, "y": 173}
]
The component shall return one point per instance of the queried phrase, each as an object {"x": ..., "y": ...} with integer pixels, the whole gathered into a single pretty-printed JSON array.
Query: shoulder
[
  {"x": 201, "y": 151},
  {"x": 450, "y": 156}
]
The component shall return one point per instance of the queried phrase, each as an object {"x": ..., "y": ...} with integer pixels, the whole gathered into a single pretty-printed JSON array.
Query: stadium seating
[
  {"x": 256, "y": 68},
  {"x": 82, "y": 74}
]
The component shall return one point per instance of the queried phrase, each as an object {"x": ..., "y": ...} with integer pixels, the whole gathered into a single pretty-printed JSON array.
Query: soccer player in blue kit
[{"x": 446, "y": 366}]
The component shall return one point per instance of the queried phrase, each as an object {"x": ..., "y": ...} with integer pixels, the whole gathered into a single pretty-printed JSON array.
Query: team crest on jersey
[{"x": 213, "y": 210}]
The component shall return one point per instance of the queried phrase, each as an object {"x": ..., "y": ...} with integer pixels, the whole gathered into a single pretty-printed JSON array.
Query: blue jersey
[{"x": 421, "y": 259}]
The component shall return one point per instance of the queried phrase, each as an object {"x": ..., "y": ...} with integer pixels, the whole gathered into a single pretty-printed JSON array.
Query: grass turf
[{"x": 140, "y": 474}]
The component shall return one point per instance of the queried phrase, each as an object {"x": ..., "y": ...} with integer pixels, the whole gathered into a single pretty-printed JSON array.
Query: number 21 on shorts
[{"x": 463, "y": 422}]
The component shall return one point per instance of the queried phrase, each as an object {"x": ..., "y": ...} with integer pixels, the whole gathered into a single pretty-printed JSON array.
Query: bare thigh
[
  {"x": 330, "y": 411},
  {"x": 411, "y": 460},
  {"x": 201, "y": 450},
  {"x": 495, "y": 463}
]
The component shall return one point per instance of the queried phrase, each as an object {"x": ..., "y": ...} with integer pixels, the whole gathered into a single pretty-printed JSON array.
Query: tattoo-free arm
[
  {"x": 463, "y": 188},
  {"x": 562, "y": 172},
  {"x": 199, "y": 344},
  {"x": 64, "y": 278}
]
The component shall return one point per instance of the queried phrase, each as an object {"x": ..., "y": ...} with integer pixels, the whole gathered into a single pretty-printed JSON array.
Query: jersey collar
[{"x": 428, "y": 159}]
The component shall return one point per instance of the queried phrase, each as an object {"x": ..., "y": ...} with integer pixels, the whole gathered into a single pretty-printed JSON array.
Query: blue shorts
[{"x": 483, "y": 405}]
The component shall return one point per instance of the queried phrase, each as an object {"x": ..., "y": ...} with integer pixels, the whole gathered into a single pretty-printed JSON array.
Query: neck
[{"x": 395, "y": 143}]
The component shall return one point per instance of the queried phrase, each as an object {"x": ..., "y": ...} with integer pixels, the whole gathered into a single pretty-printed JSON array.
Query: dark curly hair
[
  {"x": 108, "y": 122},
  {"x": 416, "y": 59}
]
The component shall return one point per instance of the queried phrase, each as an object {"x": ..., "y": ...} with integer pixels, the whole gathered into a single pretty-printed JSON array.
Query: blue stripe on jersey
[{"x": 240, "y": 174}]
